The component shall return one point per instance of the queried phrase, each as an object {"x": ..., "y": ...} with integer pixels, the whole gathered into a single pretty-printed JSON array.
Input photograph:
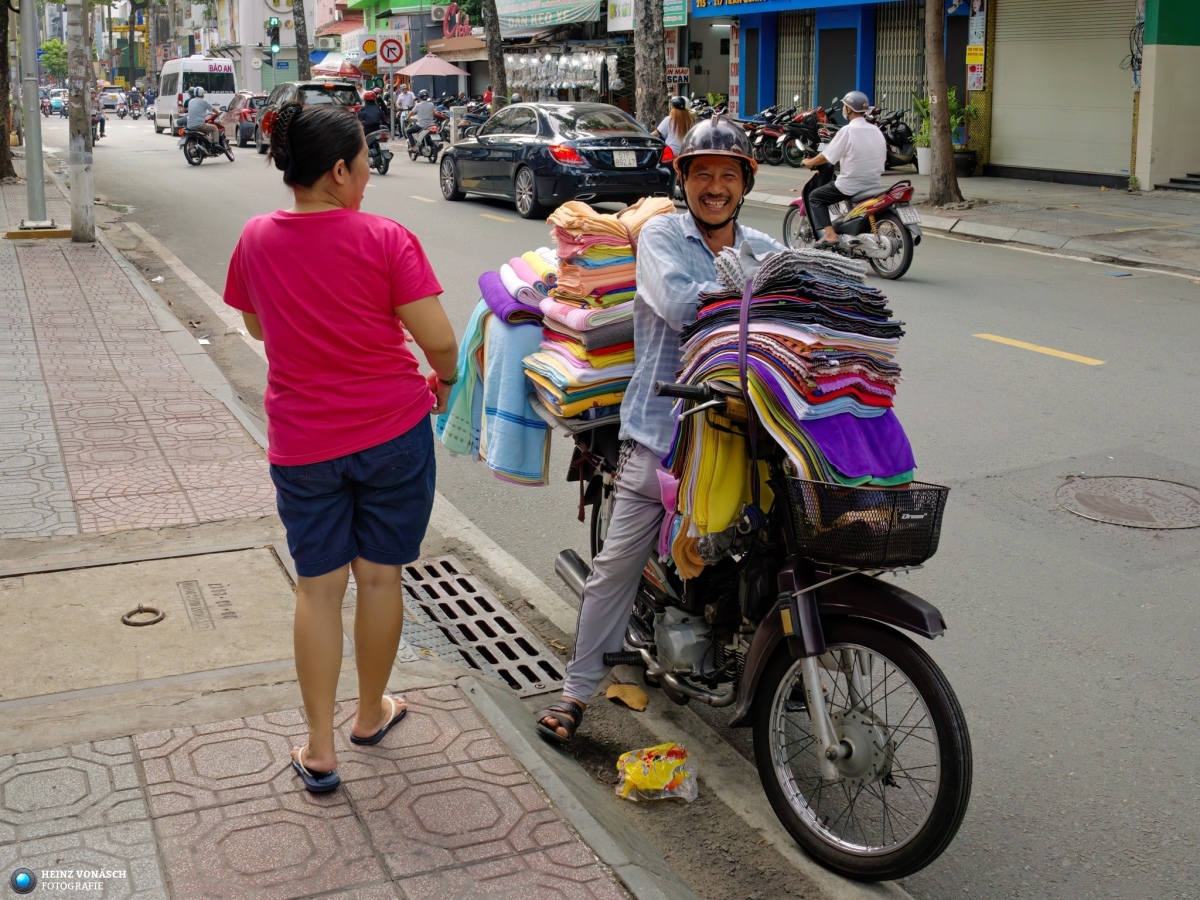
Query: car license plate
[
  {"x": 909, "y": 216},
  {"x": 624, "y": 159}
]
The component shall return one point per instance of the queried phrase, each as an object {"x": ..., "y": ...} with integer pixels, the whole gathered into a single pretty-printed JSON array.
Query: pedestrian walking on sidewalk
[{"x": 349, "y": 438}]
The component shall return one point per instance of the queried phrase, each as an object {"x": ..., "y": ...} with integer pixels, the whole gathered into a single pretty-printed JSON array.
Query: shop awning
[
  {"x": 458, "y": 49},
  {"x": 521, "y": 17}
]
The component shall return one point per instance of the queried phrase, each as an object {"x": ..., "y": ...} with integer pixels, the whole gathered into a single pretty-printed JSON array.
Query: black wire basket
[{"x": 867, "y": 527}]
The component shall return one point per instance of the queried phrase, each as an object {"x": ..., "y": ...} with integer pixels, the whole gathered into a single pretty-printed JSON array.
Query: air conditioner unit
[
  {"x": 438, "y": 13},
  {"x": 327, "y": 43}
]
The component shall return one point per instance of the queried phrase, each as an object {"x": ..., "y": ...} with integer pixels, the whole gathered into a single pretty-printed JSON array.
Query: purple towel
[
  {"x": 856, "y": 447},
  {"x": 504, "y": 304}
]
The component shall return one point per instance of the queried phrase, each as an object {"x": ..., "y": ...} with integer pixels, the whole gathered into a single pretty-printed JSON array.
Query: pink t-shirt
[{"x": 325, "y": 285}]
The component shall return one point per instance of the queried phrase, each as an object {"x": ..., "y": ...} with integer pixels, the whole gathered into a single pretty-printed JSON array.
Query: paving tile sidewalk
[
  {"x": 105, "y": 429},
  {"x": 1156, "y": 228}
]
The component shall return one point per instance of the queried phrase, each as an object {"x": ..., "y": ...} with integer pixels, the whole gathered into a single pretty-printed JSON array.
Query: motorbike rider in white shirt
[{"x": 861, "y": 150}]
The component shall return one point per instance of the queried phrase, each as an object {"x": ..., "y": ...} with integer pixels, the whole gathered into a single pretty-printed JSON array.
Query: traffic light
[{"x": 273, "y": 33}]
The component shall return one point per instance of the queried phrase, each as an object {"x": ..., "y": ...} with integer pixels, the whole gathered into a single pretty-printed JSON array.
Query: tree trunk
[
  {"x": 79, "y": 126},
  {"x": 497, "y": 74},
  {"x": 303, "y": 66},
  {"x": 943, "y": 181},
  {"x": 650, "y": 62},
  {"x": 130, "y": 44},
  {"x": 6, "y": 163}
]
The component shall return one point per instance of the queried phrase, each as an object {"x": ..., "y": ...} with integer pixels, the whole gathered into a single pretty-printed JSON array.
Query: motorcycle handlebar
[{"x": 697, "y": 392}]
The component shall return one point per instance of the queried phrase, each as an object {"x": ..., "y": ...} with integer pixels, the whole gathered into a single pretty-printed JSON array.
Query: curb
[{"x": 1020, "y": 238}]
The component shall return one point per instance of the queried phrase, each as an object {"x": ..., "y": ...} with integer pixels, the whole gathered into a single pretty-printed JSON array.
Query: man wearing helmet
[
  {"x": 423, "y": 112},
  {"x": 198, "y": 109},
  {"x": 862, "y": 151},
  {"x": 675, "y": 264},
  {"x": 370, "y": 113}
]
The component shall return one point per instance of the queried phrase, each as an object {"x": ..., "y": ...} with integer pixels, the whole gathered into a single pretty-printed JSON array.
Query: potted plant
[
  {"x": 924, "y": 154},
  {"x": 961, "y": 117}
]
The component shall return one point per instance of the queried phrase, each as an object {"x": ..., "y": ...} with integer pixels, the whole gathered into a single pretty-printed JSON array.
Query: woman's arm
[
  {"x": 426, "y": 321},
  {"x": 253, "y": 325}
]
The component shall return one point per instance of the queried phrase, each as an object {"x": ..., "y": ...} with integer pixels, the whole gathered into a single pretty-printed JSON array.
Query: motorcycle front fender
[{"x": 860, "y": 596}]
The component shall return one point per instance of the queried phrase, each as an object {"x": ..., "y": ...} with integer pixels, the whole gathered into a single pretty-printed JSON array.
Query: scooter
[
  {"x": 96, "y": 132},
  {"x": 197, "y": 147},
  {"x": 791, "y": 626},
  {"x": 880, "y": 226},
  {"x": 901, "y": 148},
  {"x": 122, "y": 111},
  {"x": 427, "y": 143},
  {"x": 379, "y": 157},
  {"x": 136, "y": 112}
]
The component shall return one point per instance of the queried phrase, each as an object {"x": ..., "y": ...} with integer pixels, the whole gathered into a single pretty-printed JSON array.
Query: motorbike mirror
[
  {"x": 834, "y": 101},
  {"x": 882, "y": 99},
  {"x": 796, "y": 98}
]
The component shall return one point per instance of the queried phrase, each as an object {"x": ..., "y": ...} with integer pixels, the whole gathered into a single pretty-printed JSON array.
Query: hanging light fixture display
[{"x": 546, "y": 73}]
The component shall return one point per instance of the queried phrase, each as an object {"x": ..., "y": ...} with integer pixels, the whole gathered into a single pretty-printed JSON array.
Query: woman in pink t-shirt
[{"x": 331, "y": 291}]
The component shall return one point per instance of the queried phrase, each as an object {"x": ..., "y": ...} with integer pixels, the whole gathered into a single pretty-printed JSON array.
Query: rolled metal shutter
[
  {"x": 1061, "y": 99},
  {"x": 794, "y": 64},
  {"x": 899, "y": 53}
]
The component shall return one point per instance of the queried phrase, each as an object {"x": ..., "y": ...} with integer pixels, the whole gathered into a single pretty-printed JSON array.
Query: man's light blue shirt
[{"x": 674, "y": 266}]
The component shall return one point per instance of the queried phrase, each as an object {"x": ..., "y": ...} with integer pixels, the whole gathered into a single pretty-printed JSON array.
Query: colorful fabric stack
[
  {"x": 515, "y": 292},
  {"x": 586, "y": 357},
  {"x": 820, "y": 373}
]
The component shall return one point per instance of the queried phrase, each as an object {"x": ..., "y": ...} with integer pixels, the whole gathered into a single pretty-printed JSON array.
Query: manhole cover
[{"x": 1133, "y": 502}]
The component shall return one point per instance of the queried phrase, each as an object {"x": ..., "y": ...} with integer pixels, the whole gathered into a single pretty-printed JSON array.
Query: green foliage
[
  {"x": 474, "y": 9},
  {"x": 921, "y": 138},
  {"x": 960, "y": 117},
  {"x": 54, "y": 59}
]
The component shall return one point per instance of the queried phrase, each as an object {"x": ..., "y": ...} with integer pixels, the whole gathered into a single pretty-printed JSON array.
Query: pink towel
[{"x": 526, "y": 274}]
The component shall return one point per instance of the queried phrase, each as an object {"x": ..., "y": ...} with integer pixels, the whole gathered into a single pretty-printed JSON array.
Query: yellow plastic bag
[{"x": 656, "y": 773}]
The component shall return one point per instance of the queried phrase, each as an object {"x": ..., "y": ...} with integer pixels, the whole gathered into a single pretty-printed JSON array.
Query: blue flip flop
[
  {"x": 382, "y": 732},
  {"x": 316, "y": 782}
]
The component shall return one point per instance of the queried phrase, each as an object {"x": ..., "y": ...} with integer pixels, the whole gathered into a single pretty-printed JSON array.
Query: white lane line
[{"x": 211, "y": 298}]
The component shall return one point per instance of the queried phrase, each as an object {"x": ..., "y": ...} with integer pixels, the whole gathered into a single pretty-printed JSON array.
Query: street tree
[
  {"x": 650, "y": 62},
  {"x": 303, "y": 65},
  {"x": 54, "y": 58},
  {"x": 943, "y": 181},
  {"x": 497, "y": 76},
  {"x": 6, "y": 162}
]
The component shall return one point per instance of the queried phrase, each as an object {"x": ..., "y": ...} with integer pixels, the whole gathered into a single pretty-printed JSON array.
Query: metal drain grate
[{"x": 450, "y": 613}]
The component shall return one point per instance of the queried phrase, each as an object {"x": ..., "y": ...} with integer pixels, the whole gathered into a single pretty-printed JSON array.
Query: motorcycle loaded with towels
[{"x": 798, "y": 625}]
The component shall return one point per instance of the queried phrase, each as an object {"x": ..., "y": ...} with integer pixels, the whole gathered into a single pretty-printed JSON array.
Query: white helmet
[{"x": 199, "y": 92}]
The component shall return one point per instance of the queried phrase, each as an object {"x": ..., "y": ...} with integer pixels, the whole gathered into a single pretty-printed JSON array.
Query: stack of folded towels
[
  {"x": 821, "y": 377},
  {"x": 515, "y": 292},
  {"x": 586, "y": 356}
]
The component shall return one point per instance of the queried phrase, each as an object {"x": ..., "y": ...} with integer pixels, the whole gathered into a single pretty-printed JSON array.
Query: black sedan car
[{"x": 541, "y": 155}]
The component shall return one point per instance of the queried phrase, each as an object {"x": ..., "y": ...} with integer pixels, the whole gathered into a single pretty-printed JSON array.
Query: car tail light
[
  {"x": 668, "y": 154},
  {"x": 568, "y": 156}
]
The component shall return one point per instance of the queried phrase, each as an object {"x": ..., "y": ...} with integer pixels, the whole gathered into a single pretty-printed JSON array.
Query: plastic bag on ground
[{"x": 657, "y": 773}]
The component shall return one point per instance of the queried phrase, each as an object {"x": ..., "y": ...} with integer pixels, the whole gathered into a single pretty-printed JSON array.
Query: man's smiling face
[{"x": 714, "y": 187}]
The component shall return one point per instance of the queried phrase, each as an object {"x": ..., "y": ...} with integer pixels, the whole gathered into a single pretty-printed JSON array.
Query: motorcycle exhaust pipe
[{"x": 572, "y": 570}]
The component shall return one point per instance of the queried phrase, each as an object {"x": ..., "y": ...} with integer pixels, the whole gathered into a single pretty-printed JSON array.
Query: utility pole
[
  {"x": 35, "y": 177},
  {"x": 83, "y": 217}
]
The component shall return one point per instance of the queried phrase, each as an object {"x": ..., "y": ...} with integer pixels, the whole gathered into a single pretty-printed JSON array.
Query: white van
[{"x": 215, "y": 74}]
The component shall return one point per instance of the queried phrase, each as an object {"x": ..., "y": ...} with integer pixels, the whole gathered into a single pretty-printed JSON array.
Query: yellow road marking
[
  {"x": 422, "y": 199},
  {"x": 1151, "y": 227},
  {"x": 1049, "y": 351},
  {"x": 496, "y": 218}
]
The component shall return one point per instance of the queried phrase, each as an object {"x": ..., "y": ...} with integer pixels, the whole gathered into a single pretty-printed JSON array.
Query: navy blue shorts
[{"x": 374, "y": 504}]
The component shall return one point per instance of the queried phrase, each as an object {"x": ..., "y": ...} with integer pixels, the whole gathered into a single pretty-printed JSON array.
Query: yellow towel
[
  {"x": 576, "y": 407},
  {"x": 542, "y": 268}
]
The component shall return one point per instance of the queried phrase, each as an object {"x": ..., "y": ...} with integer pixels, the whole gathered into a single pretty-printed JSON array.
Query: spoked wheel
[
  {"x": 889, "y": 227},
  {"x": 412, "y": 153},
  {"x": 758, "y": 153},
  {"x": 600, "y": 517},
  {"x": 797, "y": 230},
  {"x": 793, "y": 155},
  {"x": 193, "y": 153},
  {"x": 448, "y": 179},
  {"x": 525, "y": 188},
  {"x": 228, "y": 151},
  {"x": 902, "y": 790}
]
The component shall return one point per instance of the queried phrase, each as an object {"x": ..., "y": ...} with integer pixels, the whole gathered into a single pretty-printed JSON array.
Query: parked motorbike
[
  {"x": 901, "y": 148},
  {"x": 379, "y": 157},
  {"x": 196, "y": 145},
  {"x": 807, "y": 131},
  {"x": 797, "y": 624},
  {"x": 880, "y": 226}
]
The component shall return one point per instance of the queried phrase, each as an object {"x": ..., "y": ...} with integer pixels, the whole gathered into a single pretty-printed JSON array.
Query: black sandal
[{"x": 567, "y": 712}]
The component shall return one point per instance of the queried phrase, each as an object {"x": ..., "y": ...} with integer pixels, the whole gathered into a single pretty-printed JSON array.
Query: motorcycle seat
[{"x": 866, "y": 195}]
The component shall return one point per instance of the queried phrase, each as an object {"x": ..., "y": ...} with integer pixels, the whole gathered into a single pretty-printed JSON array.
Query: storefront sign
[
  {"x": 675, "y": 13},
  {"x": 974, "y": 77},
  {"x": 620, "y": 15},
  {"x": 677, "y": 74},
  {"x": 974, "y": 54},
  {"x": 735, "y": 73},
  {"x": 671, "y": 46},
  {"x": 527, "y": 16},
  {"x": 977, "y": 25}
]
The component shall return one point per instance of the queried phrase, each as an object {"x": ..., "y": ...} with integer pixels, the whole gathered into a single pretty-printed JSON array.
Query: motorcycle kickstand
[{"x": 831, "y": 749}]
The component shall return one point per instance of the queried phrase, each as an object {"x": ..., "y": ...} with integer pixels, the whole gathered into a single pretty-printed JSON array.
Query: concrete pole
[
  {"x": 83, "y": 217},
  {"x": 35, "y": 178}
]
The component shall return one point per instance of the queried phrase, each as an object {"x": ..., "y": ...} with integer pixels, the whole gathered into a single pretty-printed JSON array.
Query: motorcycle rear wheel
[
  {"x": 193, "y": 153},
  {"x": 773, "y": 155},
  {"x": 384, "y": 164},
  {"x": 793, "y": 155},
  {"x": 888, "y": 224},
  {"x": 909, "y": 773}
]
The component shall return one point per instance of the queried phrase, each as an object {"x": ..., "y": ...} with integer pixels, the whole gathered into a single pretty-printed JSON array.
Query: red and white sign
[
  {"x": 671, "y": 46},
  {"x": 735, "y": 74},
  {"x": 391, "y": 51},
  {"x": 677, "y": 74}
]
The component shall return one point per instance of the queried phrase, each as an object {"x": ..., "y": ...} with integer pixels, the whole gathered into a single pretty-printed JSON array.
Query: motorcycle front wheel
[
  {"x": 773, "y": 155},
  {"x": 797, "y": 230},
  {"x": 893, "y": 266},
  {"x": 902, "y": 792},
  {"x": 793, "y": 155}
]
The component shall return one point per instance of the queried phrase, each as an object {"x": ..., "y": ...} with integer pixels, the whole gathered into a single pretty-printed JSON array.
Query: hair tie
[{"x": 286, "y": 116}]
